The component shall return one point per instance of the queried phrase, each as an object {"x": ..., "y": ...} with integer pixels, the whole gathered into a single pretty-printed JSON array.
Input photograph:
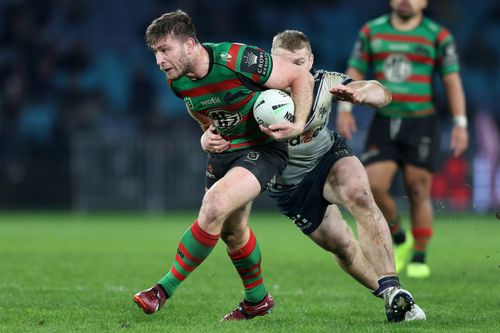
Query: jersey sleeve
[
  {"x": 331, "y": 79},
  {"x": 447, "y": 55},
  {"x": 254, "y": 63},
  {"x": 360, "y": 55}
]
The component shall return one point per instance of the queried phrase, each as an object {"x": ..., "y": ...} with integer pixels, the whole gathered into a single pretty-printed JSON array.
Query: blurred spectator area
[{"x": 73, "y": 69}]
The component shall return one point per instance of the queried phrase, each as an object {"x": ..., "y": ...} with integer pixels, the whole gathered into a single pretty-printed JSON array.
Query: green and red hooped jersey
[
  {"x": 227, "y": 93},
  {"x": 405, "y": 62}
]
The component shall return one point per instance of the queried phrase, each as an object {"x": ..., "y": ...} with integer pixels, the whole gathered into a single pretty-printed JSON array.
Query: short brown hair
[
  {"x": 177, "y": 23},
  {"x": 291, "y": 40}
]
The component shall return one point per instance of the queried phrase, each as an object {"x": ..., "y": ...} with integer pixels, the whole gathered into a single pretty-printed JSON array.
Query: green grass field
[{"x": 61, "y": 272}]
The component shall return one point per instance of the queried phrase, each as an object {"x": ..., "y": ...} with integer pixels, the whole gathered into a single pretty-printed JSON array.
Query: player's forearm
[
  {"x": 302, "y": 91},
  {"x": 456, "y": 98},
  {"x": 374, "y": 94}
]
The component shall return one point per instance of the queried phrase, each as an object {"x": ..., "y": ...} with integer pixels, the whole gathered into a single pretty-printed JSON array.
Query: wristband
[
  {"x": 345, "y": 107},
  {"x": 460, "y": 121}
]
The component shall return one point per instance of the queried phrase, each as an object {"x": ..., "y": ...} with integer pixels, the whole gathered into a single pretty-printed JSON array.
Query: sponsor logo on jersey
[
  {"x": 397, "y": 67},
  {"x": 399, "y": 47},
  {"x": 211, "y": 101},
  {"x": 223, "y": 118},
  {"x": 450, "y": 56},
  {"x": 255, "y": 61},
  {"x": 306, "y": 136},
  {"x": 420, "y": 49},
  {"x": 357, "y": 51},
  {"x": 322, "y": 111}
]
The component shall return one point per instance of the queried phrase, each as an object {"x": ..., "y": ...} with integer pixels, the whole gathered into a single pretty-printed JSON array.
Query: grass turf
[{"x": 62, "y": 272}]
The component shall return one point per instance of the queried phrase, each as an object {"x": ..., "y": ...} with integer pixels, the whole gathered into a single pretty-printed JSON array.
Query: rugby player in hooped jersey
[
  {"x": 405, "y": 49},
  {"x": 219, "y": 84},
  {"x": 322, "y": 171}
]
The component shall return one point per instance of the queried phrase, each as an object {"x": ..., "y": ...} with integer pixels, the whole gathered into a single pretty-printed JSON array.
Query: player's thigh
[
  {"x": 333, "y": 232},
  {"x": 346, "y": 178},
  {"x": 237, "y": 188},
  {"x": 418, "y": 181},
  {"x": 380, "y": 175}
]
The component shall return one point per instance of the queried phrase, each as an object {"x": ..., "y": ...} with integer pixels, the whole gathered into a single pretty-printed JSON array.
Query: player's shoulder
[
  {"x": 378, "y": 22},
  {"x": 433, "y": 26},
  {"x": 226, "y": 52},
  {"x": 222, "y": 52}
]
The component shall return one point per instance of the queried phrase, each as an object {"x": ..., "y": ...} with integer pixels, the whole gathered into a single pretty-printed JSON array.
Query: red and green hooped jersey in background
[
  {"x": 227, "y": 93},
  {"x": 405, "y": 62}
]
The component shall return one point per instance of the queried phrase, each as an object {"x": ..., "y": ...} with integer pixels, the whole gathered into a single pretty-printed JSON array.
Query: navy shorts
[
  {"x": 265, "y": 162},
  {"x": 412, "y": 141},
  {"x": 305, "y": 204}
]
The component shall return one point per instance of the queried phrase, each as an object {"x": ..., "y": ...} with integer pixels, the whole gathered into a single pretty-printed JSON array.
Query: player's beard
[
  {"x": 405, "y": 12},
  {"x": 184, "y": 67},
  {"x": 405, "y": 15}
]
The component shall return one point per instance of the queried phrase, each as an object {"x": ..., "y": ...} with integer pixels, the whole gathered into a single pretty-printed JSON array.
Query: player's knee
[
  {"x": 418, "y": 192},
  {"x": 214, "y": 207},
  {"x": 360, "y": 197}
]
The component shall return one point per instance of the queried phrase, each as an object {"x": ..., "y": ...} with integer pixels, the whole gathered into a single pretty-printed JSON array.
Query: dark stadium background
[{"x": 87, "y": 122}]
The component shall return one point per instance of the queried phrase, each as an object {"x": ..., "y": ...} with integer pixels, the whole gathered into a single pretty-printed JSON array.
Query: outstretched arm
[{"x": 369, "y": 93}]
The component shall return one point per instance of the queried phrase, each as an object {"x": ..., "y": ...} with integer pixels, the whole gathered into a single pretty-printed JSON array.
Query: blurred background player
[
  {"x": 219, "y": 84},
  {"x": 405, "y": 48},
  {"x": 321, "y": 172}
]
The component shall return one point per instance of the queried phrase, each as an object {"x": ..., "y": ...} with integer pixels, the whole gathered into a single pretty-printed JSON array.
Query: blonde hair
[{"x": 291, "y": 40}]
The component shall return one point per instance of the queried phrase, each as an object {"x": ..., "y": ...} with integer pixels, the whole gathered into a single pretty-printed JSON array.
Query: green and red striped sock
[
  {"x": 422, "y": 237},
  {"x": 247, "y": 262},
  {"x": 195, "y": 245}
]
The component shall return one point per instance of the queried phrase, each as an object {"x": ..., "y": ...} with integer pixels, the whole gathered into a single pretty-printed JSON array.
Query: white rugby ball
[{"x": 273, "y": 106}]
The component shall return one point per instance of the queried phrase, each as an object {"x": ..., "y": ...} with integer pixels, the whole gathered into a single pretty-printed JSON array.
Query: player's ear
[
  {"x": 311, "y": 60},
  {"x": 189, "y": 45}
]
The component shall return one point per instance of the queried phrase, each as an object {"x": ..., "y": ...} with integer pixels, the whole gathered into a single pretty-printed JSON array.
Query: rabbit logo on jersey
[
  {"x": 223, "y": 118},
  {"x": 397, "y": 68}
]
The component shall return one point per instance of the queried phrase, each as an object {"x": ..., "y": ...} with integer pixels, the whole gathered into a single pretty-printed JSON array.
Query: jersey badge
[
  {"x": 255, "y": 61},
  {"x": 225, "y": 56}
]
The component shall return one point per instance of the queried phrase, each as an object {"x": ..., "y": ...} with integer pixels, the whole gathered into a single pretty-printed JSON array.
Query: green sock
[
  {"x": 195, "y": 245},
  {"x": 247, "y": 262}
]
